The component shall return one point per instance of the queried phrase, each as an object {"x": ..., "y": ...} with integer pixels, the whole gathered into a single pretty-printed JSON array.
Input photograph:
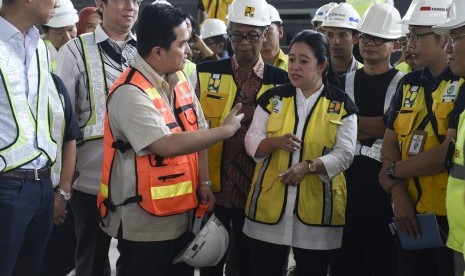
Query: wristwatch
[
  {"x": 391, "y": 170},
  {"x": 207, "y": 183},
  {"x": 66, "y": 196},
  {"x": 311, "y": 166}
]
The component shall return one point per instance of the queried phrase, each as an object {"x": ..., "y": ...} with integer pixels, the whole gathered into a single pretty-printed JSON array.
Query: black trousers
[
  {"x": 429, "y": 262},
  {"x": 92, "y": 243},
  {"x": 368, "y": 247},
  {"x": 152, "y": 258},
  {"x": 268, "y": 259}
]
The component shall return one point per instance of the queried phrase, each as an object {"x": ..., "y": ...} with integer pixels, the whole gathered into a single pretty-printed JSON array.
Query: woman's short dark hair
[
  {"x": 156, "y": 27},
  {"x": 320, "y": 47}
]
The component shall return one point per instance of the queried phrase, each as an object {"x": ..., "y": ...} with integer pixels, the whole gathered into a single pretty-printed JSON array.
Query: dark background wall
[{"x": 296, "y": 14}]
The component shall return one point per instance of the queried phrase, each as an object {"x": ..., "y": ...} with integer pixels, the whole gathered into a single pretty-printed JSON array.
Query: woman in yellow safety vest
[{"x": 303, "y": 137}]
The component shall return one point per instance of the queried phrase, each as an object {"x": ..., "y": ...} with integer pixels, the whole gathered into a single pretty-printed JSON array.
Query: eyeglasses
[
  {"x": 251, "y": 38},
  {"x": 414, "y": 37},
  {"x": 378, "y": 41},
  {"x": 135, "y": 2},
  {"x": 452, "y": 38}
]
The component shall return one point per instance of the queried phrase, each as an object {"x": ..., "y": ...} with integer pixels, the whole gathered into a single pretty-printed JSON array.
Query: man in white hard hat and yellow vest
[
  {"x": 455, "y": 196},
  {"x": 89, "y": 65},
  {"x": 222, "y": 84},
  {"x": 271, "y": 52},
  {"x": 60, "y": 29},
  {"x": 367, "y": 244},
  {"x": 420, "y": 128},
  {"x": 341, "y": 24}
]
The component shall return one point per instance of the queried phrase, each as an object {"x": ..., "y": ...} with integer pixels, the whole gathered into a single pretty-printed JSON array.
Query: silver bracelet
[{"x": 207, "y": 183}]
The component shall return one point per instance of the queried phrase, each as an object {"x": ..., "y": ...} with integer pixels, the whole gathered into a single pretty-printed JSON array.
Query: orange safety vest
[{"x": 165, "y": 185}]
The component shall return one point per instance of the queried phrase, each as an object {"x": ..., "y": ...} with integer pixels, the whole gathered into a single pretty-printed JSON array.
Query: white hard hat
[
  {"x": 426, "y": 13},
  {"x": 274, "y": 14},
  {"x": 65, "y": 15},
  {"x": 455, "y": 18},
  {"x": 212, "y": 27},
  {"x": 320, "y": 14},
  {"x": 249, "y": 12},
  {"x": 162, "y": 2},
  {"x": 342, "y": 16},
  {"x": 208, "y": 246},
  {"x": 381, "y": 20}
]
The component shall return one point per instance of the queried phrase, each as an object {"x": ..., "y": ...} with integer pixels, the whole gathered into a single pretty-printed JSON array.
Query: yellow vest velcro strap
[{"x": 168, "y": 191}]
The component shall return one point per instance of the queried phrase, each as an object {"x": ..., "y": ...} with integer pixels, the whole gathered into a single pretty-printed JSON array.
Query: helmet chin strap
[{"x": 199, "y": 215}]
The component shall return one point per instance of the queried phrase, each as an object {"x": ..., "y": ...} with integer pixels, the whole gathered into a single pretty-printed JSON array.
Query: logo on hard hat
[
  {"x": 249, "y": 11},
  {"x": 432, "y": 9}
]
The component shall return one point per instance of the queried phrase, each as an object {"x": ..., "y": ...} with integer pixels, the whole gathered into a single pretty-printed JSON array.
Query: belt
[{"x": 29, "y": 174}]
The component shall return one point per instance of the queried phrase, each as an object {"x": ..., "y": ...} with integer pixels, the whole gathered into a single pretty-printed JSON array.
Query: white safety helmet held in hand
[
  {"x": 320, "y": 14},
  {"x": 342, "y": 16},
  {"x": 274, "y": 14},
  {"x": 65, "y": 15},
  {"x": 455, "y": 18},
  {"x": 249, "y": 12},
  {"x": 212, "y": 27},
  {"x": 382, "y": 20},
  {"x": 208, "y": 246},
  {"x": 426, "y": 13}
]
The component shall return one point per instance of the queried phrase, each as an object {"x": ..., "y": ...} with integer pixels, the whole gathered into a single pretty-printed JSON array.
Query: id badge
[{"x": 417, "y": 142}]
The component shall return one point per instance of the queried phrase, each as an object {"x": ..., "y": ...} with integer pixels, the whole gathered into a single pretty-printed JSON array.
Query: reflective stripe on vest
[
  {"x": 217, "y": 95},
  {"x": 165, "y": 186},
  {"x": 29, "y": 130},
  {"x": 374, "y": 151},
  {"x": 93, "y": 129},
  {"x": 455, "y": 192},
  {"x": 318, "y": 203},
  {"x": 427, "y": 192}
]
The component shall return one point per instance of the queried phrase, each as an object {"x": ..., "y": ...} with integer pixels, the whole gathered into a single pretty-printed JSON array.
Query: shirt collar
[
  {"x": 445, "y": 75},
  {"x": 258, "y": 68},
  {"x": 282, "y": 57},
  {"x": 8, "y": 31},
  {"x": 101, "y": 35}
]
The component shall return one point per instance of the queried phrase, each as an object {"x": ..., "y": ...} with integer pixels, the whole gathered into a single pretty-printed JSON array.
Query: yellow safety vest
[
  {"x": 93, "y": 129},
  {"x": 318, "y": 203},
  {"x": 45, "y": 130},
  {"x": 404, "y": 67},
  {"x": 217, "y": 94},
  {"x": 217, "y": 8},
  {"x": 282, "y": 60},
  {"x": 455, "y": 205},
  {"x": 427, "y": 192}
]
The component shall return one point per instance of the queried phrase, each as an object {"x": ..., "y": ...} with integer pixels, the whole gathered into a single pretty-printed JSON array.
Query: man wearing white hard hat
[
  {"x": 214, "y": 33},
  {"x": 271, "y": 52},
  {"x": 60, "y": 29},
  {"x": 421, "y": 126},
  {"x": 341, "y": 24},
  {"x": 319, "y": 16},
  {"x": 89, "y": 65},
  {"x": 454, "y": 28},
  {"x": 239, "y": 79},
  {"x": 367, "y": 244}
]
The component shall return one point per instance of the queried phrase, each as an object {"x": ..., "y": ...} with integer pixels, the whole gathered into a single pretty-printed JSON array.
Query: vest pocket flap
[
  {"x": 403, "y": 124},
  {"x": 337, "y": 122},
  {"x": 213, "y": 104},
  {"x": 442, "y": 110},
  {"x": 275, "y": 122}
]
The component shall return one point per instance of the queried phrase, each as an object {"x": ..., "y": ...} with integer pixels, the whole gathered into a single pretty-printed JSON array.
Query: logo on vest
[
  {"x": 277, "y": 104},
  {"x": 450, "y": 92},
  {"x": 214, "y": 83},
  {"x": 334, "y": 107}
]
